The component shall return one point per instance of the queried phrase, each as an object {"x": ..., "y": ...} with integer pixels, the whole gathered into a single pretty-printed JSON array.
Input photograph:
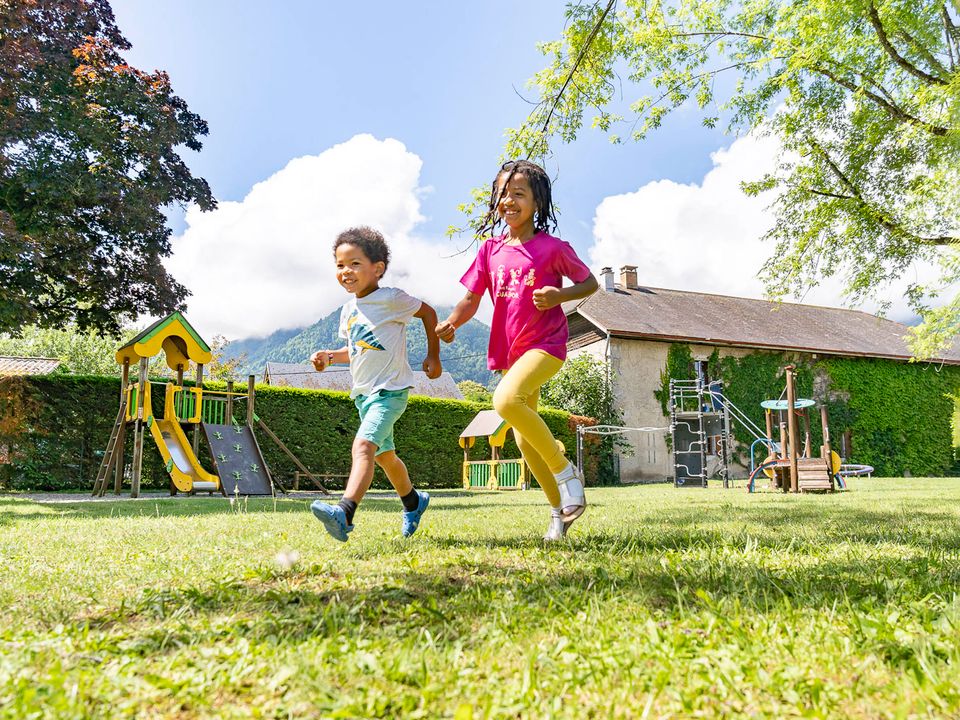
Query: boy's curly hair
[
  {"x": 370, "y": 241},
  {"x": 544, "y": 218}
]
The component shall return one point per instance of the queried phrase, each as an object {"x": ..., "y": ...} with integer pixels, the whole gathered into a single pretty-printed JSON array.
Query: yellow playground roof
[{"x": 172, "y": 335}]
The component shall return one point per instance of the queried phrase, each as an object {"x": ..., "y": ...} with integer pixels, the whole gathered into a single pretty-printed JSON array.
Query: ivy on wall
[
  {"x": 900, "y": 416},
  {"x": 679, "y": 367}
]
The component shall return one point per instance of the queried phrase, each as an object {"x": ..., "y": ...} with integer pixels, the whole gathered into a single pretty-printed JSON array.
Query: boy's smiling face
[{"x": 356, "y": 272}]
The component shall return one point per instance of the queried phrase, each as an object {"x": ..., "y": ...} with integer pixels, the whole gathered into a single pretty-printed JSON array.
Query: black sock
[
  {"x": 349, "y": 508},
  {"x": 410, "y": 501}
]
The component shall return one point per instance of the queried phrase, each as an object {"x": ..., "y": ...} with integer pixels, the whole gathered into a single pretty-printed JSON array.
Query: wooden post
[
  {"x": 229, "y": 418},
  {"x": 827, "y": 450},
  {"x": 296, "y": 479},
  {"x": 199, "y": 410},
  {"x": 173, "y": 487},
  {"x": 792, "y": 428},
  {"x": 251, "y": 394},
  {"x": 138, "y": 430},
  {"x": 783, "y": 455},
  {"x": 768, "y": 416},
  {"x": 122, "y": 433}
]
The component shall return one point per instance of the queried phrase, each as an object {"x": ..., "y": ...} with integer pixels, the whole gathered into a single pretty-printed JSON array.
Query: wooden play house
[{"x": 496, "y": 473}]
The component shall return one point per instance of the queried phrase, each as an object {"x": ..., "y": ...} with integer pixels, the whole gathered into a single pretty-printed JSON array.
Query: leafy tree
[
  {"x": 83, "y": 352},
  {"x": 222, "y": 367},
  {"x": 863, "y": 95},
  {"x": 475, "y": 392},
  {"x": 88, "y": 160}
]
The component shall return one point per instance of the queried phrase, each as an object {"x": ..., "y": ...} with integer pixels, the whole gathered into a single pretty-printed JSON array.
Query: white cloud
[
  {"x": 266, "y": 263},
  {"x": 707, "y": 237}
]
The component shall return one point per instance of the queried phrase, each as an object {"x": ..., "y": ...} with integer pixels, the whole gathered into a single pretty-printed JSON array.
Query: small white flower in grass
[{"x": 287, "y": 558}]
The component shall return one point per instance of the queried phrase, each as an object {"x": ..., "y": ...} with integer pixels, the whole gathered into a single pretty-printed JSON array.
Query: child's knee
[
  {"x": 364, "y": 448},
  {"x": 504, "y": 400},
  {"x": 387, "y": 459}
]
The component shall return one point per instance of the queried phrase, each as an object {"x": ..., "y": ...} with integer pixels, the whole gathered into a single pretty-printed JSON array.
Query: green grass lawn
[{"x": 663, "y": 603}]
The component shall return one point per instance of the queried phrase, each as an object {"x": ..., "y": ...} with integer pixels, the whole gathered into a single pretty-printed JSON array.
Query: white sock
[{"x": 566, "y": 474}]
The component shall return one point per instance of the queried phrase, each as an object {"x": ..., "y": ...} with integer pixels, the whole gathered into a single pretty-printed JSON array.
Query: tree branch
[
  {"x": 576, "y": 64},
  {"x": 824, "y": 193},
  {"x": 886, "y": 222},
  {"x": 892, "y": 51},
  {"x": 722, "y": 32},
  {"x": 894, "y": 110},
  {"x": 950, "y": 35}
]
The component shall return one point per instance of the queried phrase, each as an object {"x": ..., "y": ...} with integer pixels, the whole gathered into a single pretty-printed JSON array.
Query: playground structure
[
  {"x": 239, "y": 467},
  {"x": 699, "y": 417},
  {"x": 790, "y": 467},
  {"x": 496, "y": 473},
  {"x": 700, "y": 421}
]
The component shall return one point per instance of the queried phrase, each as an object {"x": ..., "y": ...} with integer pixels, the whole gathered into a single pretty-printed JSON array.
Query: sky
[{"x": 324, "y": 115}]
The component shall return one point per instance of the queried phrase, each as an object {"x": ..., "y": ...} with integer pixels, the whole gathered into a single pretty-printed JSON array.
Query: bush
[{"x": 56, "y": 428}]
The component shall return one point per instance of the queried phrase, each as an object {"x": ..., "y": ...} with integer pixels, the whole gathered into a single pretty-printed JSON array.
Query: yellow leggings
[{"x": 515, "y": 399}]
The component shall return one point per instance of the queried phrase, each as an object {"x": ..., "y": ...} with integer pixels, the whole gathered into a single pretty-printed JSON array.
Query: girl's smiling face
[
  {"x": 356, "y": 273},
  {"x": 517, "y": 206}
]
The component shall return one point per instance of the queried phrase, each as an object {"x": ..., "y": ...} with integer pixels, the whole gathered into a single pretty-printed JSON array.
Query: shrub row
[{"x": 55, "y": 428}]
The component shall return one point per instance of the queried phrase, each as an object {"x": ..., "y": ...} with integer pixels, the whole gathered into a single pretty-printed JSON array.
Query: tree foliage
[
  {"x": 88, "y": 160},
  {"x": 82, "y": 352},
  {"x": 863, "y": 95},
  {"x": 475, "y": 392}
]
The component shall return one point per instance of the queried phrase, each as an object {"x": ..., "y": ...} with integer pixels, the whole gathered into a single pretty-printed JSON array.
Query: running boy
[{"x": 374, "y": 325}]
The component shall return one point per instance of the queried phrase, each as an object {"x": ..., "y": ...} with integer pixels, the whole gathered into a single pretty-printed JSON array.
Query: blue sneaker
[
  {"x": 411, "y": 519},
  {"x": 334, "y": 519}
]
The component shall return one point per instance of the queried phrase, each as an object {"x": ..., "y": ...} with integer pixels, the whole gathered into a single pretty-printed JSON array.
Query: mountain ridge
[{"x": 465, "y": 358}]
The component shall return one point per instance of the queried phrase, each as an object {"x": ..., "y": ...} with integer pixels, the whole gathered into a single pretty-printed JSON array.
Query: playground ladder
[{"x": 100, "y": 486}]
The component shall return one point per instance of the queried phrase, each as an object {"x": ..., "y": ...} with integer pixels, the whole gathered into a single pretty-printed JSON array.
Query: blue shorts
[{"x": 378, "y": 414}]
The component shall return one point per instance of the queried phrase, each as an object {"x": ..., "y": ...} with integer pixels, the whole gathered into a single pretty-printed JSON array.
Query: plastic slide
[{"x": 184, "y": 468}]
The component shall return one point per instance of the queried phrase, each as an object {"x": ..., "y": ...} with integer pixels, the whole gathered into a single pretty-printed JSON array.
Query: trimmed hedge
[{"x": 56, "y": 428}]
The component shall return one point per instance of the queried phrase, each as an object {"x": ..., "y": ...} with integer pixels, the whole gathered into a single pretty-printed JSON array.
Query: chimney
[
  {"x": 628, "y": 277},
  {"x": 606, "y": 277}
]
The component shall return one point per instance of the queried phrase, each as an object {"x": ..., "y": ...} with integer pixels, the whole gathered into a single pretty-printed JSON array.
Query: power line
[{"x": 344, "y": 369}]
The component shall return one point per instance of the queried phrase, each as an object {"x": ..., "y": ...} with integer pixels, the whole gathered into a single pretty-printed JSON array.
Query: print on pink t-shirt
[{"x": 510, "y": 273}]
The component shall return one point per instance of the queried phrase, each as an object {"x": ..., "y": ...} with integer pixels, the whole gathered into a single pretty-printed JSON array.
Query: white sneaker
[
  {"x": 557, "y": 529},
  {"x": 573, "y": 501}
]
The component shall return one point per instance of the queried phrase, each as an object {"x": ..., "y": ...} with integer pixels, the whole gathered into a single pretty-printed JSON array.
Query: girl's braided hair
[{"x": 544, "y": 218}]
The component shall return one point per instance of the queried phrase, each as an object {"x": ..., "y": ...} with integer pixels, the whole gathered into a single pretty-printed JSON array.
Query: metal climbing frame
[{"x": 697, "y": 412}]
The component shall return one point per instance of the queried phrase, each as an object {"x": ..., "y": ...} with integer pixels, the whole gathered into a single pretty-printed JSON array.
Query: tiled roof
[
  {"x": 27, "y": 365},
  {"x": 680, "y": 316},
  {"x": 304, "y": 376}
]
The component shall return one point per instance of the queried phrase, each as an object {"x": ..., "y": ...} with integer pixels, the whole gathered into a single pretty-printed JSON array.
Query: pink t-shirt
[{"x": 510, "y": 273}]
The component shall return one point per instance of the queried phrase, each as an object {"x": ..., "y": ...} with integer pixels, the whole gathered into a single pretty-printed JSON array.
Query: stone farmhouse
[{"x": 632, "y": 328}]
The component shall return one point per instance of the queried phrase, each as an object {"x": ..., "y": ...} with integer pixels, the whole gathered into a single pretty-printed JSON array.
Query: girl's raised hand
[
  {"x": 547, "y": 297},
  {"x": 446, "y": 331}
]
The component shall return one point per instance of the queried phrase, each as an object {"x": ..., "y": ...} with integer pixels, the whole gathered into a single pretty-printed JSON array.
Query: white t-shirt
[{"x": 375, "y": 328}]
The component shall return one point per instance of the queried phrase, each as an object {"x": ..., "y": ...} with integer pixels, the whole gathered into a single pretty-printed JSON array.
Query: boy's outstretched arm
[
  {"x": 461, "y": 314},
  {"x": 431, "y": 363}
]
